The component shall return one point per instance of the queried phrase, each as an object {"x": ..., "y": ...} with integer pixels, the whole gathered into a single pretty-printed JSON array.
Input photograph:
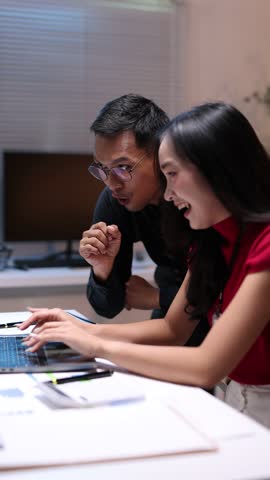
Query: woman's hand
[
  {"x": 41, "y": 315},
  {"x": 57, "y": 325}
]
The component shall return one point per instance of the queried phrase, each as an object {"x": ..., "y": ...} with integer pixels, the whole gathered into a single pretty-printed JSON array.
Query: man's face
[{"x": 121, "y": 151}]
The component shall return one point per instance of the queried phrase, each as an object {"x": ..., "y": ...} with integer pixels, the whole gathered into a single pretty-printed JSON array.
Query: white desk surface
[
  {"x": 61, "y": 276},
  {"x": 34, "y": 277},
  {"x": 244, "y": 446}
]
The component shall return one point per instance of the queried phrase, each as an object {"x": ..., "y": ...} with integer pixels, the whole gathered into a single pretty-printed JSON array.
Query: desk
[
  {"x": 239, "y": 457},
  {"x": 60, "y": 287}
]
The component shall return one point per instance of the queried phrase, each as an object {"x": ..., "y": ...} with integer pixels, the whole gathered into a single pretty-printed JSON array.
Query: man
[{"x": 128, "y": 210}]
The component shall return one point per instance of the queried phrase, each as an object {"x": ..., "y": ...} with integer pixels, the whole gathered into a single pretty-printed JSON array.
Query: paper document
[
  {"x": 225, "y": 422},
  {"x": 17, "y": 396},
  {"x": 8, "y": 318},
  {"x": 144, "y": 429},
  {"x": 96, "y": 392}
]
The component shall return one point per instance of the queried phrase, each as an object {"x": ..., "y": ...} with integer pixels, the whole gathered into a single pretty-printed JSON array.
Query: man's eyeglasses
[{"x": 123, "y": 172}]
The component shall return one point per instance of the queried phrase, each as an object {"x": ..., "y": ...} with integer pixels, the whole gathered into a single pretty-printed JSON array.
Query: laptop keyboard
[{"x": 13, "y": 353}]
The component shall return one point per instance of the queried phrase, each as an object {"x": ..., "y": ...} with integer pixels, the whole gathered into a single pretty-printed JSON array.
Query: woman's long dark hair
[{"x": 220, "y": 141}]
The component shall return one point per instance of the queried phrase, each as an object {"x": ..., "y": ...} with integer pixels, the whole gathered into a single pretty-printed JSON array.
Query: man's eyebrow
[
  {"x": 121, "y": 159},
  {"x": 115, "y": 160},
  {"x": 97, "y": 162}
]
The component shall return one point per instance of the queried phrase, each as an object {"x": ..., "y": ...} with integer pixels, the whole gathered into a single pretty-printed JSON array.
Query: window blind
[{"x": 61, "y": 60}]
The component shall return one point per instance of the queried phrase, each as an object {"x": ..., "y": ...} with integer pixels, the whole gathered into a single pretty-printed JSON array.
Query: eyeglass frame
[{"x": 108, "y": 171}]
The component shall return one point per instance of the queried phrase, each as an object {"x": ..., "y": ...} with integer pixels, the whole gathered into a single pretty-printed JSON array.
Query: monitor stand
[{"x": 66, "y": 258}]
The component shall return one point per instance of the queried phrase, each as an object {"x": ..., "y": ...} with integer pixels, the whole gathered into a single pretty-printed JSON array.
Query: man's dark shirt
[{"x": 108, "y": 298}]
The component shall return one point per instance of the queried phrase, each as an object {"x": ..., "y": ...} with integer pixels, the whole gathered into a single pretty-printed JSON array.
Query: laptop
[{"x": 54, "y": 356}]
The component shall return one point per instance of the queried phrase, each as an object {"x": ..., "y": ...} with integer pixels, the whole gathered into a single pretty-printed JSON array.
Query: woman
[{"x": 218, "y": 175}]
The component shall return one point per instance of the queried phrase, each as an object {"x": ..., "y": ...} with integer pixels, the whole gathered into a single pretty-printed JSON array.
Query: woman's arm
[
  {"x": 175, "y": 329},
  {"x": 227, "y": 342},
  {"x": 225, "y": 345}
]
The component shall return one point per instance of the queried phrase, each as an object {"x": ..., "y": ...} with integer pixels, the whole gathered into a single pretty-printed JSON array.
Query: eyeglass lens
[
  {"x": 97, "y": 172},
  {"x": 100, "y": 174}
]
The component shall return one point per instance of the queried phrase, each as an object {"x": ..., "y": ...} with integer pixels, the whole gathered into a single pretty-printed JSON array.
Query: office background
[{"x": 61, "y": 60}]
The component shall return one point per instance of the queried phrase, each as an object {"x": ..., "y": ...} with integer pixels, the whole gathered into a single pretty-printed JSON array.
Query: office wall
[{"x": 227, "y": 54}]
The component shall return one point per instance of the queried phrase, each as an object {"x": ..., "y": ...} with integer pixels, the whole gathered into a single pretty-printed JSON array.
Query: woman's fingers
[
  {"x": 71, "y": 335},
  {"x": 36, "y": 309},
  {"x": 56, "y": 325},
  {"x": 43, "y": 315},
  {"x": 33, "y": 344},
  {"x": 35, "y": 341},
  {"x": 37, "y": 316},
  {"x": 42, "y": 327}
]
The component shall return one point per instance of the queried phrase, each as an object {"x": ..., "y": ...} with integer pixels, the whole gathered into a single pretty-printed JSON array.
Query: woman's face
[{"x": 189, "y": 190}]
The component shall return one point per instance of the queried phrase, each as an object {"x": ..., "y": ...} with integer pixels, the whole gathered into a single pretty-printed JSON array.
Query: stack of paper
[
  {"x": 137, "y": 430},
  {"x": 107, "y": 391}
]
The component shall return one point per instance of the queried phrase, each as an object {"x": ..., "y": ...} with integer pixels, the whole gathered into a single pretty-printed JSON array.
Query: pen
[
  {"x": 10, "y": 325},
  {"x": 52, "y": 377},
  {"x": 77, "y": 378},
  {"x": 14, "y": 324}
]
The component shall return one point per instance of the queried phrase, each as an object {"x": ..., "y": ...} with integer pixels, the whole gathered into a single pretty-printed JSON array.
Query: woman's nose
[{"x": 168, "y": 195}]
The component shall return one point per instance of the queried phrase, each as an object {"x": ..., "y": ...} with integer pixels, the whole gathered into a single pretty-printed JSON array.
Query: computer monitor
[{"x": 46, "y": 196}]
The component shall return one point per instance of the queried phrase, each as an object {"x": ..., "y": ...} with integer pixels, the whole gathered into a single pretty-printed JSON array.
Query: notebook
[{"x": 54, "y": 356}]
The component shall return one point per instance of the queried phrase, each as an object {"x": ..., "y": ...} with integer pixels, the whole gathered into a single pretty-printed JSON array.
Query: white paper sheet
[
  {"x": 202, "y": 409},
  {"x": 222, "y": 426},
  {"x": 96, "y": 392},
  {"x": 17, "y": 396},
  {"x": 20, "y": 393},
  {"x": 10, "y": 317},
  {"x": 7, "y": 317},
  {"x": 97, "y": 435}
]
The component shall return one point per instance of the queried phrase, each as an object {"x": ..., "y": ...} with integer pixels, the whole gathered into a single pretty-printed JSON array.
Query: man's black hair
[{"x": 134, "y": 113}]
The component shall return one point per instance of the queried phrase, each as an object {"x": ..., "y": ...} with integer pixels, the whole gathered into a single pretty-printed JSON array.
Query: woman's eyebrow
[{"x": 165, "y": 164}]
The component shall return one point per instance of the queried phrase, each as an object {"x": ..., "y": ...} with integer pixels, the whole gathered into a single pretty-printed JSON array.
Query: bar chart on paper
[
  {"x": 11, "y": 393},
  {"x": 16, "y": 396}
]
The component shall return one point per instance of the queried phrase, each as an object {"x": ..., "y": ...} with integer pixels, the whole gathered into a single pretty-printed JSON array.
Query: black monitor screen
[{"x": 47, "y": 196}]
